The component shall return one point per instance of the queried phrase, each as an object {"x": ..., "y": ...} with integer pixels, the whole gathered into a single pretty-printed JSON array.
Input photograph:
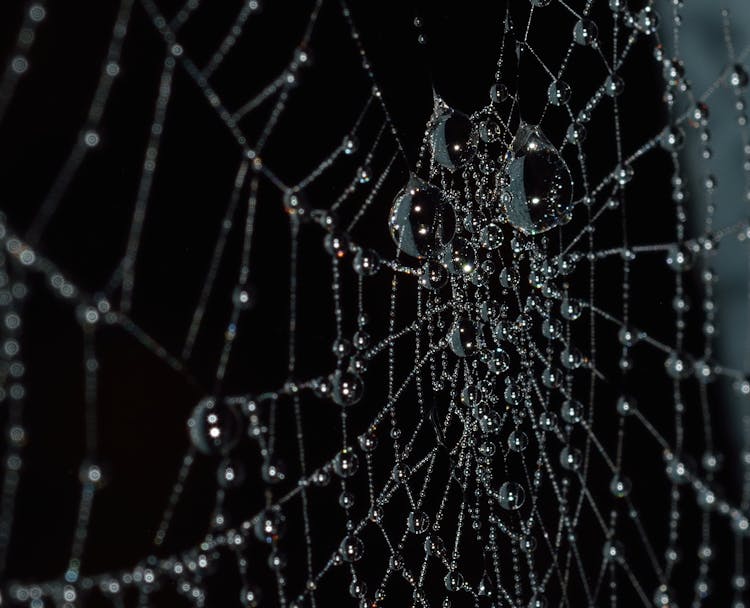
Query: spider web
[{"x": 198, "y": 283}]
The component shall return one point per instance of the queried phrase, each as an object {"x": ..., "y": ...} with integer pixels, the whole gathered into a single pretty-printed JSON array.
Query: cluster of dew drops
[{"x": 499, "y": 315}]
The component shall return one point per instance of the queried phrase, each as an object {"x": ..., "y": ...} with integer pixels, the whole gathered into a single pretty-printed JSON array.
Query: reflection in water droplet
[{"x": 540, "y": 183}]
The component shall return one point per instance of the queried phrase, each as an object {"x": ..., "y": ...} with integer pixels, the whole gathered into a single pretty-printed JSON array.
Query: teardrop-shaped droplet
[
  {"x": 540, "y": 183},
  {"x": 421, "y": 221},
  {"x": 452, "y": 140},
  {"x": 463, "y": 338}
]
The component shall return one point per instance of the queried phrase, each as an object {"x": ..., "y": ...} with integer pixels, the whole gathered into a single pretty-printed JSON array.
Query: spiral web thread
[{"x": 462, "y": 508}]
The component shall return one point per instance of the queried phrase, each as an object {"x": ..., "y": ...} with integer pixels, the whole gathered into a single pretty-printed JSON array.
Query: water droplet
[
  {"x": 614, "y": 85},
  {"x": 737, "y": 76},
  {"x": 541, "y": 185},
  {"x": 351, "y": 549},
  {"x": 273, "y": 470},
  {"x": 357, "y": 588},
  {"x": 459, "y": 257},
  {"x": 351, "y": 144},
  {"x": 364, "y": 174},
  {"x": 619, "y": 486},
  {"x": 558, "y": 92},
  {"x": 679, "y": 258},
  {"x": 585, "y": 32},
  {"x": 434, "y": 276},
  {"x": 368, "y": 441},
  {"x": 418, "y": 522},
  {"x": 498, "y": 92},
  {"x": 336, "y": 244},
  {"x": 453, "y": 581},
  {"x": 576, "y": 133},
  {"x": 433, "y": 545},
  {"x": 421, "y": 221},
  {"x": 518, "y": 441},
  {"x": 463, "y": 338},
  {"x": 250, "y": 597},
  {"x": 366, "y": 262},
  {"x": 571, "y": 411},
  {"x": 270, "y": 525},
  {"x": 625, "y": 405},
  {"x": 484, "y": 588},
  {"x": 571, "y": 309},
  {"x": 214, "y": 427},
  {"x": 677, "y": 366},
  {"x": 647, "y": 20},
  {"x": 347, "y": 387},
  {"x": 570, "y": 458},
  {"x": 548, "y": 421},
  {"x": 511, "y": 495},
  {"x": 623, "y": 174},
  {"x": 491, "y": 236},
  {"x": 231, "y": 473},
  {"x": 452, "y": 141},
  {"x": 346, "y": 463}
]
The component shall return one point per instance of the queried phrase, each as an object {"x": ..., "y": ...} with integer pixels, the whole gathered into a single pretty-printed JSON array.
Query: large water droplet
[
  {"x": 463, "y": 338},
  {"x": 511, "y": 495},
  {"x": 421, "y": 221},
  {"x": 452, "y": 140},
  {"x": 540, "y": 183}
]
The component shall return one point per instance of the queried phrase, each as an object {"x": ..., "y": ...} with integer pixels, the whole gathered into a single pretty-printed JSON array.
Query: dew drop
[
  {"x": 585, "y": 32},
  {"x": 434, "y": 276},
  {"x": 540, "y": 183},
  {"x": 511, "y": 495},
  {"x": 570, "y": 458},
  {"x": 459, "y": 257},
  {"x": 351, "y": 549},
  {"x": 518, "y": 441},
  {"x": 421, "y": 221},
  {"x": 452, "y": 141},
  {"x": 558, "y": 92},
  {"x": 270, "y": 526},
  {"x": 213, "y": 427},
  {"x": 347, "y": 387},
  {"x": 463, "y": 338},
  {"x": 346, "y": 463},
  {"x": 418, "y": 522}
]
